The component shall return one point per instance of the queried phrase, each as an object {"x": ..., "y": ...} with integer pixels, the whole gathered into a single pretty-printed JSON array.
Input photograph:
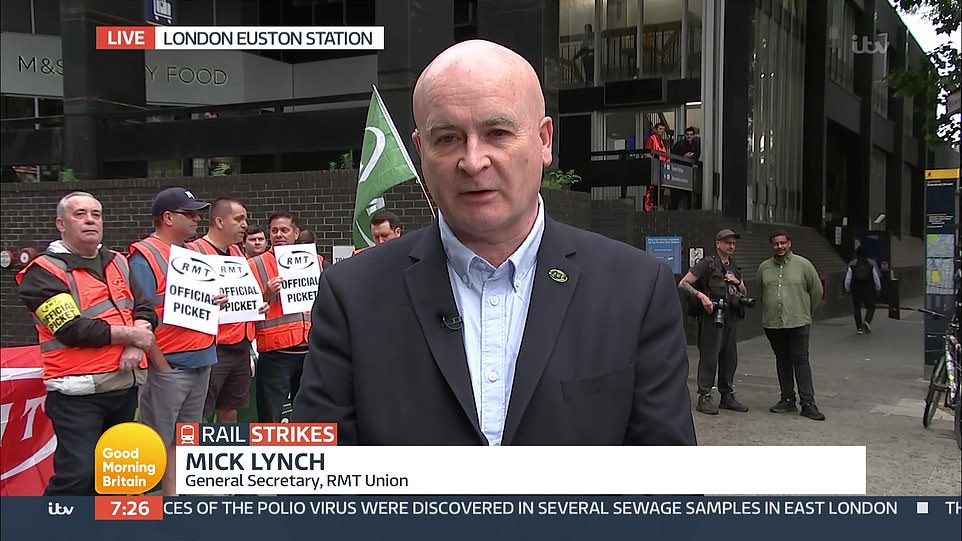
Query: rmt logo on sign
[
  {"x": 298, "y": 259},
  {"x": 194, "y": 268},
  {"x": 229, "y": 269}
]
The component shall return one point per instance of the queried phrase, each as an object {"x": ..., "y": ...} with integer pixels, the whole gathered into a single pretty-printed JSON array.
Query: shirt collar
[
  {"x": 520, "y": 263},
  {"x": 786, "y": 259}
]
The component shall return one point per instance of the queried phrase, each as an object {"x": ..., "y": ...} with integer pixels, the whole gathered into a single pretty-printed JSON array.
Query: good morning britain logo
[{"x": 322, "y": 38}]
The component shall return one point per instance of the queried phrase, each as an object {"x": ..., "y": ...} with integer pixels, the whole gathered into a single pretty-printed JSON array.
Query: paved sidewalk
[{"x": 872, "y": 392}]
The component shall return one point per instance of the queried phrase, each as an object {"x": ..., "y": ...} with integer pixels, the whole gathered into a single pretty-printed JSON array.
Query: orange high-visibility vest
[
  {"x": 170, "y": 338},
  {"x": 227, "y": 333},
  {"x": 111, "y": 301},
  {"x": 278, "y": 331}
]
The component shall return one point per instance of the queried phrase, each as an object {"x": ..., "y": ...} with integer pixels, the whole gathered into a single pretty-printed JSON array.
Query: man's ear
[{"x": 416, "y": 137}]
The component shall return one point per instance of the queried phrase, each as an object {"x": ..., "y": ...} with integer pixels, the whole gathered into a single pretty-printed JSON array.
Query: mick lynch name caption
[{"x": 263, "y": 461}]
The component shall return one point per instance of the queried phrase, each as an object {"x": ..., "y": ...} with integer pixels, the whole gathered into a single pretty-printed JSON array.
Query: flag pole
[{"x": 390, "y": 121}]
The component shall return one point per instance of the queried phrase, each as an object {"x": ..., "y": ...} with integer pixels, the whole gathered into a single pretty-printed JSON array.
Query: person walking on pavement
[
  {"x": 791, "y": 291},
  {"x": 713, "y": 279},
  {"x": 863, "y": 282}
]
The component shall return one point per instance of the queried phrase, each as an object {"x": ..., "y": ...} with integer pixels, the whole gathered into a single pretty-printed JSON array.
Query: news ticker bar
[
  {"x": 138, "y": 508},
  {"x": 321, "y": 38},
  {"x": 407, "y": 470}
]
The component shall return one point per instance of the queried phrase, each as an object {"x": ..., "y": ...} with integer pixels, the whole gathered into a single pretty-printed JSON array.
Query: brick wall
[{"x": 324, "y": 202}]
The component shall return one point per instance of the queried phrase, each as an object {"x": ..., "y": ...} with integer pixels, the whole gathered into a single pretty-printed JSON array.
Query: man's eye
[{"x": 444, "y": 139}]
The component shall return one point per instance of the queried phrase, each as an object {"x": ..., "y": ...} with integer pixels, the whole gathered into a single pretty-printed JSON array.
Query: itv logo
[
  {"x": 54, "y": 508},
  {"x": 861, "y": 44}
]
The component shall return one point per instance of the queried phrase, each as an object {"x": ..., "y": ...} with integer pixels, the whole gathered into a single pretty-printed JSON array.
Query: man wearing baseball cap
[
  {"x": 714, "y": 282},
  {"x": 177, "y": 395}
]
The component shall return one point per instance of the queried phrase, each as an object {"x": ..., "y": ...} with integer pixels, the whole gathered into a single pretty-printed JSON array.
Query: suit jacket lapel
[
  {"x": 429, "y": 289},
  {"x": 550, "y": 297}
]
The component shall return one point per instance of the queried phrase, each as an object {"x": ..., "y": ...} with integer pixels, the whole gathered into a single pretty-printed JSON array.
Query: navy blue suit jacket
[{"x": 603, "y": 359}]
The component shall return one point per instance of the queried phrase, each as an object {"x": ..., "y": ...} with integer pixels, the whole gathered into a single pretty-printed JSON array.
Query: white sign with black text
[
  {"x": 300, "y": 272},
  {"x": 343, "y": 252},
  {"x": 244, "y": 295},
  {"x": 192, "y": 284}
]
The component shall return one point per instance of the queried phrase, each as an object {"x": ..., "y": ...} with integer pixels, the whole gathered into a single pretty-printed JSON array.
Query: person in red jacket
[
  {"x": 94, "y": 326},
  {"x": 656, "y": 142}
]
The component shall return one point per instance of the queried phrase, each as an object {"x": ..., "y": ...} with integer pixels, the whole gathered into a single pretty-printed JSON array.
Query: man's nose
[{"x": 475, "y": 157}]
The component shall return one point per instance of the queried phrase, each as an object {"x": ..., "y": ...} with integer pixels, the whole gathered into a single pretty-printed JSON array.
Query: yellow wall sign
[{"x": 941, "y": 173}]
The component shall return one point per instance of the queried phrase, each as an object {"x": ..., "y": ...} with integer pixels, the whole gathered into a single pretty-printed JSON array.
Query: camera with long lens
[{"x": 735, "y": 302}]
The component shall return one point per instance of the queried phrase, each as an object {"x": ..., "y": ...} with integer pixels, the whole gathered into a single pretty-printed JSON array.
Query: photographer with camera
[{"x": 718, "y": 298}]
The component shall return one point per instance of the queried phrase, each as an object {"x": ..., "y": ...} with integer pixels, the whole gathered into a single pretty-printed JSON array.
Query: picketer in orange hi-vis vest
[
  {"x": 656, "y": 142},
  {"x": 176, "y": 396},
  {"x": 94, "y": 327},
  {"x": 281, "y": 339},
  {"x": 230, "y": 378}
]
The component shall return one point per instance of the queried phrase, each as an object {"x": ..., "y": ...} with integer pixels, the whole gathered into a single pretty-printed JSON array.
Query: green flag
[{"x": 384, "y": 164}]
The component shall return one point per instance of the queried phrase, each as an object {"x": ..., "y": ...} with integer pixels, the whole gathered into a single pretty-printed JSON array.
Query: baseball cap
[
  {"x": 725, "y": 233},
  {"x": 175, "y": 198}
]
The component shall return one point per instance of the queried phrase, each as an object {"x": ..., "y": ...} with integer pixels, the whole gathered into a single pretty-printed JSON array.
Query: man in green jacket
[{"x": 791, "y": 291}]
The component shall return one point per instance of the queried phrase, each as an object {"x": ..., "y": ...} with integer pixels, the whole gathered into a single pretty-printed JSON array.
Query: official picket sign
[
  {"x": 244, "y": 295},
  {"x": 300, "y": 272},
  {"x": 191, "y": 287}
]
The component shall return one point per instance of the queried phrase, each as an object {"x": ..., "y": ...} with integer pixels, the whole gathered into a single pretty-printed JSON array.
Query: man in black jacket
[
  {"x": 689, "y": 147},
  {"x": 94, "y": 328},
  {"x": 715, "y": 281},
  {"x": 863, "y": 282}
]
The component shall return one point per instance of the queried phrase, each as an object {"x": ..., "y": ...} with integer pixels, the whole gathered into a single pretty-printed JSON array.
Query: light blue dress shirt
[{"x": 493, "y": 302}]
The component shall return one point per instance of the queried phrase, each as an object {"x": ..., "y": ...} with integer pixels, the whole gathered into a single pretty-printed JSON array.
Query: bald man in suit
[{"x": 495, "y": 325}]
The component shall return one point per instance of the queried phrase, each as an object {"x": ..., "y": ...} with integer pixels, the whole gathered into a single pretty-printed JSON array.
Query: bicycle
[{"x": 946, "y": 377}]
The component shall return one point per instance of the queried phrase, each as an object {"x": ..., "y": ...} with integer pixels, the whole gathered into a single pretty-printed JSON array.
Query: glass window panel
[
  {"x": 620, "y": 131},
  {"x": 662, "y": 37},
  {"x": 576, "y": 42},
  {"x": 46, "y": 14},
  {"x": 16, "y": 16}
]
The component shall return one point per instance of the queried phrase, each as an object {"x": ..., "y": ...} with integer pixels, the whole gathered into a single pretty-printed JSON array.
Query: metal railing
[{"x": 661, "y": 54}]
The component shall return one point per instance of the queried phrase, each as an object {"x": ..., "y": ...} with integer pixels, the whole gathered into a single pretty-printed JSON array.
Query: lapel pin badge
[{"x": 558, "y": 275}]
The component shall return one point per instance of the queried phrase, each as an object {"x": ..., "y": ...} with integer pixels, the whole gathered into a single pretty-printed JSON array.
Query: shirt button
[
  {"x": 494, "y": 302},
  {"x": 464, "y": 278},
  {"x": 492, "y": 376}
]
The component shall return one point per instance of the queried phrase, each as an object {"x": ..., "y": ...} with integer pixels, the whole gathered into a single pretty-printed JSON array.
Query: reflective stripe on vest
[
  {"x": 158, "y": 258},
  {"x": 279, "y": 330},
  {"x": 116, "y": 309},
  {"x": 94, "y": 311}
]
